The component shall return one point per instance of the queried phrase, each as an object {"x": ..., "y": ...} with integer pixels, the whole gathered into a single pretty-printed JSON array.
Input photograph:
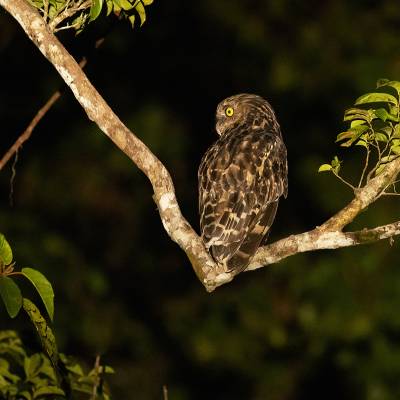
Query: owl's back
[{"x": 241, "y": 177}]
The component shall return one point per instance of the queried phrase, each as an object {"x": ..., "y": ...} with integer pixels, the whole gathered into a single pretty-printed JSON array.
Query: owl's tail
[{"x": 242, "y": 257}]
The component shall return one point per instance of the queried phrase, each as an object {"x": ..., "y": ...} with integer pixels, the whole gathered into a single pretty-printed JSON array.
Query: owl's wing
[{"x": 241, "y": 178}]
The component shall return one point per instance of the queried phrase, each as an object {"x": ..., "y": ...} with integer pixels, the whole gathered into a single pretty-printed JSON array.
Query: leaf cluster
[
  {"x": 31, "y": 377},
  {"x": 127, "y": 9},
  {"x": 9, "y": 289},
  {"x": 41, "y": 375},
  {"x": 373, "y": 125},
  {"x": 76, "y": 14}
]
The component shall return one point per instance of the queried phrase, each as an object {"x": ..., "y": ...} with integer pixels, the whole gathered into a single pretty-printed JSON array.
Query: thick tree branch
[
  {"x": 320, "y": 240},
  {"x": 327, "y": 236},
  {"x": 99, "y": 112}
]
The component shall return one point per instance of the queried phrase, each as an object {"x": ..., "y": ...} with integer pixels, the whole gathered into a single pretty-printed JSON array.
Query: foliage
[
  {"x": 9, "y": 290},
  {"x": 76, "y": 14},
  {"x": 26, "y": 376},
  {"x": 374, "y": 125}
]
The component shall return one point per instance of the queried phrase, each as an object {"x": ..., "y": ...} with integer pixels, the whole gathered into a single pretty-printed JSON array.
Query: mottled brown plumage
[{"x": 241, "y": 177}]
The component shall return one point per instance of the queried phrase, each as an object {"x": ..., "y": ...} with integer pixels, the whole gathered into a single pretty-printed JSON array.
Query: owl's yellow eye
[{"x": 229, "y": 111}]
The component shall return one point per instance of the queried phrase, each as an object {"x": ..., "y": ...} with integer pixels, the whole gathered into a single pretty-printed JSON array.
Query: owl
[{"x": 241, "y": 178}]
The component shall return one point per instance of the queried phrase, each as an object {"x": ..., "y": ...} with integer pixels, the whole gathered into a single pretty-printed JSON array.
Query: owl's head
[{"x": 245, "y": 109}]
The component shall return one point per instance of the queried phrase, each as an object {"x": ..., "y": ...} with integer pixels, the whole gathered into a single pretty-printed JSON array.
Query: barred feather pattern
[{"x": 241, "y": 178}]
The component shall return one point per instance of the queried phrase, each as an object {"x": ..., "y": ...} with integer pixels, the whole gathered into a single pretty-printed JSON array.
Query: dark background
[{"x": 324, "y": 325}]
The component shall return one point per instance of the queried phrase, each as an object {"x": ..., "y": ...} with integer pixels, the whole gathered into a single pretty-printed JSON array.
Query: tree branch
[
  {"x": 327, "y": 236},
  {"x": 26, "y": 134},
  {"x": 98, "y": 111},
  {"x": 320, "y": 240},
  {"x": 363, "y": 197},
  {"x": 68, "y": 12}
]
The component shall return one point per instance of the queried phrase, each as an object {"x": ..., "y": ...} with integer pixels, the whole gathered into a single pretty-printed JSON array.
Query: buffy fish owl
[{"x": 241, "y": 178}]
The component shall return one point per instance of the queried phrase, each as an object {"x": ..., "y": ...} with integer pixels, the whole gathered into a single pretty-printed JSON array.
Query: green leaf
[
  {"x": 381, "y": 137},
  {"x": 9, "y": 335},
  {"x": 141, "y": 11},
  {"x": 132, "y": 20},
  {"x": 48, "y": 390},
  {"x": 44, "y": 288},
  {"x": 71, "y": 365},
  {"x": 335, "y": 161},
  {"x": 147, "y": 2},
  {"x": 95, "y": 9},
  {"x": 116, "y": 8},
  {"x": 361, "y": 143},
  {"x": 45, "y": 333},
  {"x": 6, "y": 256},
  {"x": 381, "y": 82},
  {"x": 393, "y": 84},
  {"x": 124, "y": 4},
  {"x": 5, "y": 371},
  {"x": 357, "y": 122},
  {"x": 32, "y": 365},
  {"x": 108, "y": 370},
  {"x": 336, "y": 164},
  {"x": 324, "y": 167},
  {"x": 11, "y": 295},
  {"x": 377, "y": 98},
  {"x": 395, "y": 149},
  {"x": 357, "y": 114},
  {"x": 395, "y": 142},
  {"x": 396, "y": 131},
  {"x": 109, "y": 5},
  {"x": 47, "y": 369},
  {"x": 84, "y": 387},
  {"x": 346, "y": 135},
  {"x": 383, "y": 115},
  {"x": 25, "y": 395},
  {"x": 352, "y": 134}
]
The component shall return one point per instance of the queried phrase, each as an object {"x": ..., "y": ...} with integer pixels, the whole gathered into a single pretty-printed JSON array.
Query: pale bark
[{"x": 327, "y": 236}]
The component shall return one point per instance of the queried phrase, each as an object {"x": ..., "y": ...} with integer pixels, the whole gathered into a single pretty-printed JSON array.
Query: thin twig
[
  {"x": 165, "y": 392},
  {"x": 378, "y": 163},
  {"x": 65, "y": 27},
  {"x": 28, "y": 131},
  {"x": 45, "y": 10},
  {"x": 384, "y": 150},
  {"x": 61, "y": 9},
  {"x": 343, "y": 180},
  {"x": 365, "y": 168},
  {"x": 39, "y": 115},
  {"x": 394, "y": 193},
  {"x": 12, "y": 179},
  {"x": 378, "y": 148},
  {"x": 96, "y": 381},
  {"x": 67, "y": 13}
]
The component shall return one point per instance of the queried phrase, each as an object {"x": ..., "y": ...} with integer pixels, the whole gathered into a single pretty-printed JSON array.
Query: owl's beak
[{"x": 218, "y": 128}]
